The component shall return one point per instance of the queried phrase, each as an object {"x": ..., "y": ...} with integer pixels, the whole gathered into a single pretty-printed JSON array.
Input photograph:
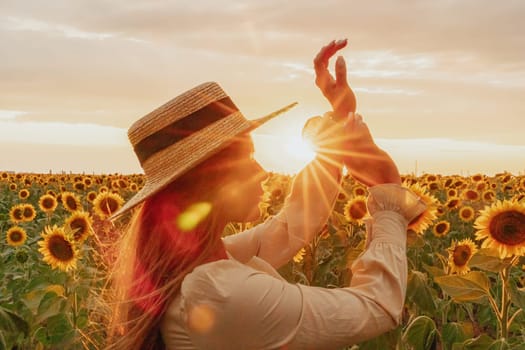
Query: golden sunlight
[{"x": 287, "y": 152}]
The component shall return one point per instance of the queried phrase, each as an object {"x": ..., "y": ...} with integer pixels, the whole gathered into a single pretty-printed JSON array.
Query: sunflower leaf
[
  {"x": 481, "y": 342},
  {"x": 420, "y": 333},
  {"x": 472, "y": 287},
  {"x": 517, "y": 296},
  {"x": 487, "y": 262},
  {"x": 453, "y": 332},
  {"x": 419, "y": 292}
]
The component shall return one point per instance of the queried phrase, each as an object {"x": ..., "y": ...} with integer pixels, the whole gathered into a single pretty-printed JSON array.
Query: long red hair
[{"x": 155, "y": 253}]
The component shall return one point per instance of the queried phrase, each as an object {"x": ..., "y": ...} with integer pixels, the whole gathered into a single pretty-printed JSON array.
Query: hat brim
[{"x": 152, "y": 187}]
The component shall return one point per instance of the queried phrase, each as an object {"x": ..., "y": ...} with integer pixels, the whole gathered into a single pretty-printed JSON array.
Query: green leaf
[
  {"x": 59, "y": 328},
  {"x": 419, "y": 292},
  {"x": 517, "y": 296},
  {"x": 472, "y": 287},
  {"x": 50, "y": 305},
  {"x": 420, "y": 333},
  {"x": 483, "y": 342},
  {"x": 41, "y": 336},
  {"x": 452, "y": 333},
  {"x": 487, "y": 262},
  {"x": 434, "y": 271},
  {"x": 499, "y": 344},
  {"x": 11, "y": 322}
]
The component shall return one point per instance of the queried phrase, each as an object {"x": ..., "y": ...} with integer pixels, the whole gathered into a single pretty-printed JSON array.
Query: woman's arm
[
  {"x": 275, "y": 313},
  {"x": 314, "y": 189},
  {"x": 305, "y": 212}
]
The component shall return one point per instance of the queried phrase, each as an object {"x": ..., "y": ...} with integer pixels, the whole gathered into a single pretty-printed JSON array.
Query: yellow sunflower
[
  {"x": 355, "y": 209},
  {"x": 342, "y": 196},
  {"x": 79, "y": 186},
  {"x": 522, "y": 184},
  {"x": 28, "y": 212},
  {"x": 433, "y": 185},
  {"x": 466, "y": 213},
  {"x": 452, "y": 192},
  {"x": 452, "y": 203},
  {"x": 501, "y": 226},
  {"x": 87, "y": 182},
  {"x": 16, "y": 213},
  {"x": 440, "y": 210},
  {"x": 426, "y": 218},
  {"x": 359, "y": 190},
  {"x": 471, "y": 195},
  {"x": 13, "y": 186},
  {"x": 70, "y": 201},
  {"x": 477, "y": 177},
  {"x": 441, "y": 228},
  {"x": 106, "y": 203},
  {"x": 91, "y": 195},
  {"x": 58, "y": 249},
  {"x": 488, "y": 195},
  {"x": 481, "y": 186},
  {"x": 47, "y": 203},
  {"x": 79, "y": 222},
  {"x": 459, "y": 254},
  {"x": 16, "y": 236},
  {"x": 24, "y": 193}
]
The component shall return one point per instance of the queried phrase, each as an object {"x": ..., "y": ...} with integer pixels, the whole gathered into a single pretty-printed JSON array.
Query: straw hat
[{"x": 183, "y": 132}]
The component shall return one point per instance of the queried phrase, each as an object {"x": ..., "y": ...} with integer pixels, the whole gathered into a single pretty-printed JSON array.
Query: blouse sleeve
[
  {"x": 253, "y": 310},
  {"x": 373, "y": 302},
  {"x": 305, "y": 211}
]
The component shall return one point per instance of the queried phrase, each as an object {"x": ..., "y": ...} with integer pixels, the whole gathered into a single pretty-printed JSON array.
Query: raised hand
[
  {"x": 336, "y": 90},
  {"x": 366, "y": 162},
  {"x": 342, "y": 135}
]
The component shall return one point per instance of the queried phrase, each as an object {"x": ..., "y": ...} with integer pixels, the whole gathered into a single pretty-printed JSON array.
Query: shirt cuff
[{"x": 394, "y": 197}]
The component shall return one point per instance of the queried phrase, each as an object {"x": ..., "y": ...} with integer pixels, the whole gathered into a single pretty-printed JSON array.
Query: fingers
[
  {"x": 326, "y": 52},
  {"x": 340, "y": 71}
]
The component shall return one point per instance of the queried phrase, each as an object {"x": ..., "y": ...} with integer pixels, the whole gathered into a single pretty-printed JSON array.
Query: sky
[{"x": 440, "y": 83}]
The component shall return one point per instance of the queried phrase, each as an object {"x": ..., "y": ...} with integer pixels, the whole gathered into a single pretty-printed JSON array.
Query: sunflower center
[
  {"x": 508, "y": 227},
  {"x": 60, "y": 248},
  {"x": 109, "y": 205},
  {"x": 358, "y": 210},
  {"x": 461, "y": 255},
  {"x": 28, "y": 212},
  {"x": 47, "y": 203},
  {"x": 441, "y": 228},
  {"x": 16, "y": 236},
  {"x": 18, "y": 214},
  {"x": 79, "y": 225},
  {"x": 71, "y": 203}
]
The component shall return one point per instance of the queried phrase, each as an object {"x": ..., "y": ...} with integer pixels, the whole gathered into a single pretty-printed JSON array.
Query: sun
[
  {"x": 284, "y": 151},
  {"x": 299, "y": 148}
]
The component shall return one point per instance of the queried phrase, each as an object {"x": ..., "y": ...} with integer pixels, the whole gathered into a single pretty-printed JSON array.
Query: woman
[{"x": 179, "y": 285}]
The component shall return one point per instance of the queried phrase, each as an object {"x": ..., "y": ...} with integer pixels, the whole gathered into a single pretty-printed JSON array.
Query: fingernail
[{"x": 340, "y": 41}]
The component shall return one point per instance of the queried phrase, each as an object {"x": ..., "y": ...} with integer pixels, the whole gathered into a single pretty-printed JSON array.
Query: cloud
[
  {"x": 59, "y": 133},
  {"x": 419, "y": 68}
]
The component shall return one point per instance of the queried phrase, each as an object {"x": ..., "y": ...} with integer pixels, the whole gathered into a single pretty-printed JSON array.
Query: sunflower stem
[
  {"x": 505, "y": 303},
  {"x": 511, "y": 319},
  {"x": 495, "y": 308}
]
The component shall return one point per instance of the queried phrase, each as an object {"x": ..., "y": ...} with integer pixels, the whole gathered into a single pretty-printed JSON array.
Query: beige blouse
[{"x": 243, "y": 303}]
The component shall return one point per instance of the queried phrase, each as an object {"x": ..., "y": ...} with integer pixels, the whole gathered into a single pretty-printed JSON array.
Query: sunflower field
[{"x": 466, "y": 282}]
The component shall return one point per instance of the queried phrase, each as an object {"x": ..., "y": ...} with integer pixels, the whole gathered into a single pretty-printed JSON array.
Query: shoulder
[
  {"x": 240, "y": 302},
  {"x": 215, "y": 280}
]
